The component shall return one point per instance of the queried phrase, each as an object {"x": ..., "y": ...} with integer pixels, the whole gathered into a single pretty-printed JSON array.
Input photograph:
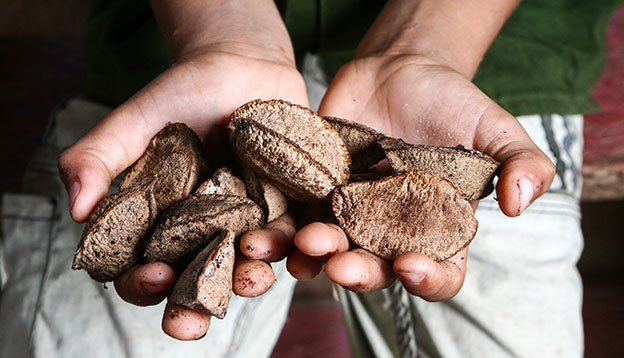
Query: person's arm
[
  {"x": 410, "y": 78},
  {"x": 201, "y": 36},
  {"x": 450, "y": 33},
  {"x": 252, "y": 28},
  {"x": 224, "y": 54}
]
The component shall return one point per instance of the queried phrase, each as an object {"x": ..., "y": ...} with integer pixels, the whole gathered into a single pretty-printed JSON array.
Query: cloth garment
[
  {"x": 545, "y": 59},
  {"x": 48, "y": 310},
  {"x": 522, "y": 295}
]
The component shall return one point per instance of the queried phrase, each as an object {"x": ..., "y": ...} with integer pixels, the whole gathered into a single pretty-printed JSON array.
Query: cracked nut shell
[
  {"x": 272, "y": 201},
  {"x": 187, "y": 226},
  {"x": 469, "y": 170},
  {"x": 206, "y": 284},
  {"x": 175, "y": 156},
  {"x": 361, "y": 142},
  {"x": 115, "y": 234},
  {"x": 223, "y": 182},
  {"x": 291, "y": 147},
  {"x": 414, "y": 211}
]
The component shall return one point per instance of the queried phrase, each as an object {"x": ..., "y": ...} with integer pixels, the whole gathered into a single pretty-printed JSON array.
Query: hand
[
  {"x": 202, "y": 91},
  {"x": 410, "y": 78},
  {"x": 423, "y": 102},
  {"x": 250, "y": 58}
]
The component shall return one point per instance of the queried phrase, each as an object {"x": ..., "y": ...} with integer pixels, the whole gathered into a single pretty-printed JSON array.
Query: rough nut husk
[
  {"x": 471, "y": 171},
  {"x": 361, "y": 142},
  {"x": 414, "y": 211},
  {"x": 115, "y": 234},
  {"x": 223, "y": 182},
  {"x": 271, "y": 199},
  {"x": 206, "y": 284},
  {"x": 187, "y": 226},
  {"x": 175, "y": 156},
  {"x": 291, "y": 147}
]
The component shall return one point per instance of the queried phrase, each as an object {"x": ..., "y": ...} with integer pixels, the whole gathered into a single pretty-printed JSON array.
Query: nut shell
[
  {"x": 187, "y": 226},
  {"x": 206, "y": 284},
  {"x": 291, "y": 147},
  {"x": 361, "y": 142},
  {"x": 272, "y": 201},
  {"x": 414, "y": 211},
  {"x": 114, "y": 237},
  {"x": 222, "y": 182},
  {"x": 175, "y": 156},
  {"x": 471, "y": 171}
]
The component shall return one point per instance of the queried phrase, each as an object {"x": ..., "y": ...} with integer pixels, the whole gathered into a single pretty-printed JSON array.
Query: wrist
[
  {"x": 449, "y": 33},
  {"x": 251, "y": 28},
  {"x": 241, "y": 49}
]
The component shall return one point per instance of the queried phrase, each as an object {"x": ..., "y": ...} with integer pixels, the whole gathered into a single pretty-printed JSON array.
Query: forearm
[
  {"x": 251, "y": 27},
  {"x": 454, "y": 33}
]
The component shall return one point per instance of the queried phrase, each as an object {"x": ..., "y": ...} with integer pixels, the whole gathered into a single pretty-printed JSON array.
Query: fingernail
[
  {"x": 413, "y": 278},
  {"x": 150, "y": 287},
  {"x": 74, "y": 190},
  {"x": 525, "y": 185}
]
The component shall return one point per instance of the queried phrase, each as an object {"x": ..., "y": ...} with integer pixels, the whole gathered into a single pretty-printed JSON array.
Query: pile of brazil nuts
[{"x": 167, "y": 208}]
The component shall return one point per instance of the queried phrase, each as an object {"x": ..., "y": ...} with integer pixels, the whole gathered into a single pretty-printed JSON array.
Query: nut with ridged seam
[{"x": 291, "y": 147}]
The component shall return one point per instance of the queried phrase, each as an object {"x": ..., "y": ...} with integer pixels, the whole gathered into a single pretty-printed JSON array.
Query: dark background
[{"x": 42, "y": 64}]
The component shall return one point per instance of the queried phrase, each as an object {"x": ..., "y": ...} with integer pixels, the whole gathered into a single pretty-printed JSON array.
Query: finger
[
  {"x": 145, "y": 285},
  {"x": 526, "y": 173},
  {"x": 430, "y": 280},
  {"x": 301, "y": 266},
  {"x": 359, "y": 271},
  {"x": 252, "y": 277},
  {"x": 271, "y": 243},
  {"x": 321, "y": 240},
  {"x": 184, "y": 323},
  {"x": 88, "y": 166}
]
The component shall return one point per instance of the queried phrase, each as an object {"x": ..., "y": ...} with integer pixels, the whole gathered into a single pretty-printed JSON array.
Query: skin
[
  {"x": 252, "y": 277},
  {"x": 410, "y": 78},
  {"x": 146, "y": 285},
  {"x": 184, "y": 324},
  {"x": 272, "y": 243},
  {"x": 303, "y": 267},
  {"x": 252, "y": 58},
  {"x": 355, "y": 268},
  {"x": 335, "y": 240}
]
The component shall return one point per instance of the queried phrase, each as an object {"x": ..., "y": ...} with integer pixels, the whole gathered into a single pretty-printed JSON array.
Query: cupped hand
[
  {"x": 202, "y": 89},
  {"x": 422, "y": 102}
]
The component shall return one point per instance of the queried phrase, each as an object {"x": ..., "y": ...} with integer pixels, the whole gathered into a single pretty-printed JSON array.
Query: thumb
[
  {"x": 88, "y": 166},
  {"x": 526, "y": 171}
]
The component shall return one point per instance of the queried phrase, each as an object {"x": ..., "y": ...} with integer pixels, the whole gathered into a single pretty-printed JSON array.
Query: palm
[
  {"x": 426, "y": 103},
  {"x": 206, "y": 89},
  {"x": 421, "y": 103}
]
